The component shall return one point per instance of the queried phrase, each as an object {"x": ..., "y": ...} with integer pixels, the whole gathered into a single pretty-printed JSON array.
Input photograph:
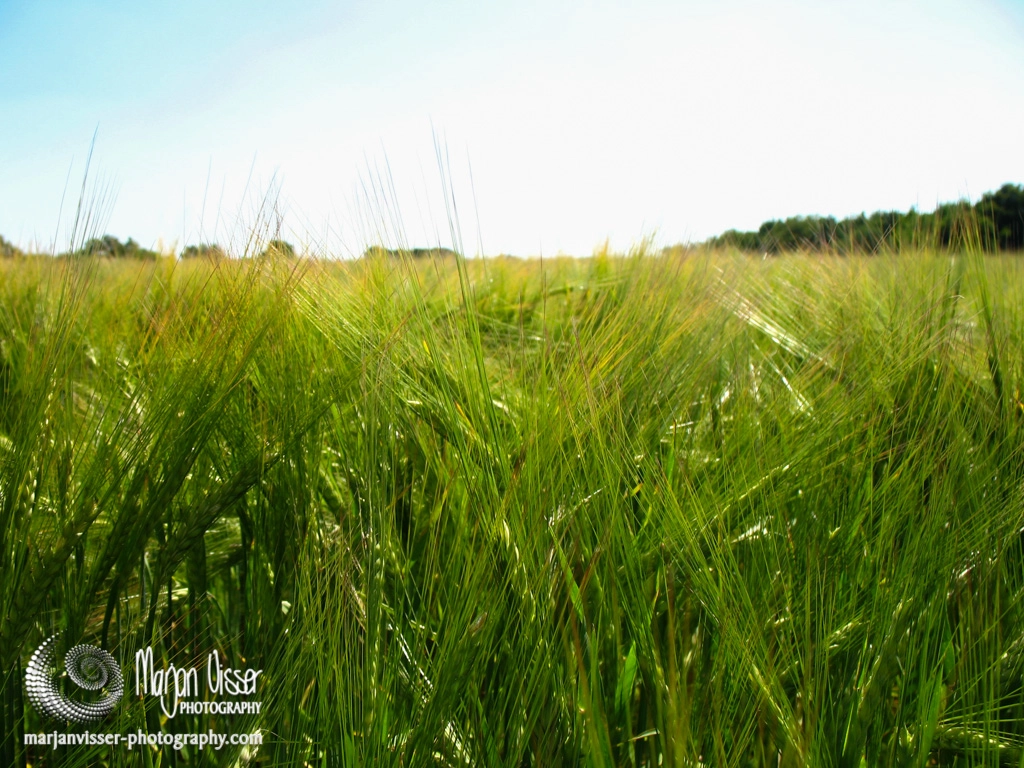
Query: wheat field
[{"x": 640, "y": 509}]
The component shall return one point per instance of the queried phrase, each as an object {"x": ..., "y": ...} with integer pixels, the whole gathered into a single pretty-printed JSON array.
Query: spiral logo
[{"x": 90, "y": 668}]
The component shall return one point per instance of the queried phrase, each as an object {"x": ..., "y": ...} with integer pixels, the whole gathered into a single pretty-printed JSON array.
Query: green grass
[{"x": 637, "y": 510}]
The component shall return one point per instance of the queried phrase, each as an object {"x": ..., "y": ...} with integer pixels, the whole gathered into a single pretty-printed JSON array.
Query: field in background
[{"x": 640, "y": 510}]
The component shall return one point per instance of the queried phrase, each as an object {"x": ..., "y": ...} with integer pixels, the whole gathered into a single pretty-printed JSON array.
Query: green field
[{"x": 641, "y": 510}]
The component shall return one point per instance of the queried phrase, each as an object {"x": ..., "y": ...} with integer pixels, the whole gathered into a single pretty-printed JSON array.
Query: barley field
[{"x": 695, "y": 508}]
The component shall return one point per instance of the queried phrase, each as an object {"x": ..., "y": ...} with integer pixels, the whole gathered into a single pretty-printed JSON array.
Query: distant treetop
[
  {"x": 8, "y": 251},
  {"x": 996, "y": 222},
  {"x": 415, "y": 253},
  {"x": 278, "y": 248},
  {"x": 110, "y": 247},
  {"x": 210, "y": 251}
]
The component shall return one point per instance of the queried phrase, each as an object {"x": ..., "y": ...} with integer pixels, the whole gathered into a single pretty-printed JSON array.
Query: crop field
[{"x": 682, "y": 509}]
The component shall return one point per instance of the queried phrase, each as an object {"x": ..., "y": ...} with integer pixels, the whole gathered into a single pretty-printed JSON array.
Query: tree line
[
  {"x": 995, "y": 222},
  {"x": 110, "y": 247}
]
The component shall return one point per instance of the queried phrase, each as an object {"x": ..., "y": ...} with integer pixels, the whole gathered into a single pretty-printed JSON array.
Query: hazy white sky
[{"x": 579, "y": 121}]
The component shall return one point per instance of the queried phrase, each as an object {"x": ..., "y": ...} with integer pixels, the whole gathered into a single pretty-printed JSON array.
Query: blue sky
[{"x": 563, "y": 123}]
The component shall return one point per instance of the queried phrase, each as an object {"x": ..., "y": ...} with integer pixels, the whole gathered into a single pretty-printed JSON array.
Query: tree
[
  {"x": 1002, "y": 217},
  {"x": 733, "y": 238},
  {"x": 107, "y": 246},
  {"x": 8, "y": 251},
  {"x": 998, "y": 218},
  {"x": 413, "y": 253},
  {"x": 278, "y": 248},
  {"x": 211, "y": 251},
  {"x": 110, "y": 247}
]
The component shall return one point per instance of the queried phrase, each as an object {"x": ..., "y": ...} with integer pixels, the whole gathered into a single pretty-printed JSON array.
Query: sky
[{"x": 533, "y": 127}]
